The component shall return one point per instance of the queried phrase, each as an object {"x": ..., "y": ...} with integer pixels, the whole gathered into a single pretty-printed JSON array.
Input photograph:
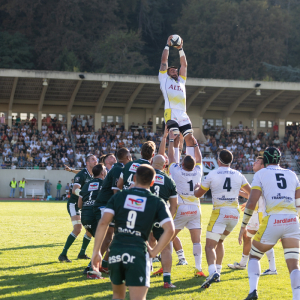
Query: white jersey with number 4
[
  {"x": 173, "y": 91},
  {"x": 225, "y": 184},
  {"x": 278, "y": 187},
  {"x": 185, "y": 183}
]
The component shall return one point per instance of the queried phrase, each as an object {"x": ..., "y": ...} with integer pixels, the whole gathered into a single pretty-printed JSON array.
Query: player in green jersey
[
  {"x": 109, "y": 188},
  {"x": 134, "y": 210},
  {"x": 126, "y": 177},
  {"x": 80, "y": 179},
  {"x": 165, "y": 188}
]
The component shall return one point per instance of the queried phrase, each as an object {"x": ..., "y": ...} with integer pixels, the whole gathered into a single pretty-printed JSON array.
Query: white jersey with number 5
[
  {"x": 185, "y": 182},
  {"x": 278, "y": 187},
  {"x": 225, "y": 184}
]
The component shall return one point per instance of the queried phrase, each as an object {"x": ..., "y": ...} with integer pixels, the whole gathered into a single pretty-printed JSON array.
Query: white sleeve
[
  {"x": 256, "y": 182},
  {"x": 244, "y": 181},
  {"x": 121, "y": 175},
  {"x": 205, "y": 185},
  {"x": 162, "y": 75}
]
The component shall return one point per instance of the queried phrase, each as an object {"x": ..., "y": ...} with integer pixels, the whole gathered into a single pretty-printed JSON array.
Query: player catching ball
[{"x": 172, "y": 86}]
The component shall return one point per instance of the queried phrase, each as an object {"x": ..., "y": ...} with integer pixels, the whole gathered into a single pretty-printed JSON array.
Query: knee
[{"x": 77, "y": 229}]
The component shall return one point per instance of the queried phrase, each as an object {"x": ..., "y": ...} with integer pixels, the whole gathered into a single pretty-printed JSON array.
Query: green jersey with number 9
[
  {"x": 129, "y": 171},
  {"x": 135, "y": 210}
]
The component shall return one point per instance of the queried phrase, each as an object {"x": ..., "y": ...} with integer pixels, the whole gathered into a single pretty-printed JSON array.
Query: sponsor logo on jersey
[
  {"x": 286, "y": 220},
  {"x": 175, "y": 87},
  {"x": 279, "y": 197},
  {"x": 89, "y": 203},
  {"x": 184, "y": 213},
  {"x": 134, "y": 167},
  {"x": 135, "y": 202},
  {"x": 231, "y": 217},
  {"x": 159, "y": 179},
  {"x": 93, "y": 186},
  {"x": 129, "y": 231},
  {"x": 125, "y": 258},
  {"x": 209, "y": 164},
  {"x": 77, "y": 179}
]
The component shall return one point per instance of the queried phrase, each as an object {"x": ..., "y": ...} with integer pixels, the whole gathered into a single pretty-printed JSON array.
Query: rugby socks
[
  {"x": 190, "y": 151},
  {"x": 244, "y": 260},
  {"x": 180, "y": 254},
  {"x": 295, "y": 283},
  {"x": 271, "y": 257},
  {"x": 71, "y": 238},
  {"x": 104, "y": 263},
  {"x": 176, "y": 155},
  {"x": 253, "y": 273},
  {"x": 197, "y": 251},
  {"x": 167, "y": 277},
  {"x": 219, "y": 268},
  {"x": 85, "y": 243},
  {"x": 212, "y": 269}
]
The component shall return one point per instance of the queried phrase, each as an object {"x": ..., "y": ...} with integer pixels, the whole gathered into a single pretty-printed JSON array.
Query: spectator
[
  {"x": 48, "y": 188},
  {"x": 275, "y": 129},
  {"x": 2, "y": 119},
  {"x": 13, "y": 187},
  {"x": 241, "y": 126},
  {"x": 58, "y": 188},
  {"x": 22, "y": 187}
]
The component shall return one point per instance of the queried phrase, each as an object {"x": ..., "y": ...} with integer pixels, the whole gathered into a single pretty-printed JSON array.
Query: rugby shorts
[
  {"x": 98, "y": 212},
  {"x": 89, "y": 221},
  {"x": 177, "y": 115},
  {"x": 157, "y": 231},
  {"x": 129, "y": 265},
  {"x": 223, "y": 219},
  {"x": 73, "y": 209},
  {"x": 254, "y": 222},
  {"x": 189, "y": 216},
  {"x": 279, "y": 226}
]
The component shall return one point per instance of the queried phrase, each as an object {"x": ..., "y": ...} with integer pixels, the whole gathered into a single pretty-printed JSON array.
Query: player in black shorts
[
  {"x": 109, "y": 188},
  {"x": 134, "y": 211},
  {"x": 80, "y": 179}
]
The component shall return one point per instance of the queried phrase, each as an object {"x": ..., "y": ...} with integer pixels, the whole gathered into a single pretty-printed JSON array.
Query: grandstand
[{"x": 49, "y": 118}]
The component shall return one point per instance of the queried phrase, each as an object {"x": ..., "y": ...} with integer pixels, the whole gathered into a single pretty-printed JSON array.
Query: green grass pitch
[{"x": 33, "y": 235}]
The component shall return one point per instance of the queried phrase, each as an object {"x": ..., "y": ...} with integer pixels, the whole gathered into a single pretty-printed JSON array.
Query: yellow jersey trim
[
  {"x": 183, "y": 77},
  {"x": 204, "y": 188},
  {"x": 200, "y": 164},
  {"x": 256, "y": 188},
  {"x": 170, "y": 166},
  {"x": 244, "y": 184},
  {"x": 162, "y": 72},
  {"x": 298, "y": 188}
]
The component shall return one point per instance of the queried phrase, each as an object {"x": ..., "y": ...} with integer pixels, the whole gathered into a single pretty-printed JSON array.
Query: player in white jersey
[
  {"x": 225, "y": 184},
  {"x": 281, "y": 190},
  {"x": 188, "y": 212},
  {"x": 252, "y": 228},
  {"x": 174, "y": 93}
]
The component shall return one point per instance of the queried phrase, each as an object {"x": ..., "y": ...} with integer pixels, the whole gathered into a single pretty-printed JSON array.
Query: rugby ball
[{"x": 176, "y": 40}]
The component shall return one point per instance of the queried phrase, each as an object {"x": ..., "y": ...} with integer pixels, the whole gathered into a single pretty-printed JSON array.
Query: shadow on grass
[
  {"x": 28, "y": 282},
  {"x": 33, "y": 247}
]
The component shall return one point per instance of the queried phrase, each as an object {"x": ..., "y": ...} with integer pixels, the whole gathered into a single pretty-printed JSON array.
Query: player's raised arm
[
  {"x": 183, "y": 61},
  {"x": 198, "y": 155},
  {"x": 171, "y": 152},
  {"x": 162, "y": 146},
  {"x": 165, "y": 55}
]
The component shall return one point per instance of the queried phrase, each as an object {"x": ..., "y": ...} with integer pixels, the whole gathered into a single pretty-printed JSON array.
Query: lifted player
[
  {"x": 165, "y": 188},
  {"x": 225, "y": 184},
  {"x": 134, "y": 211},
  {"x": 80, "y": 179},
  {"x": 252, "y": 228},
  {"x": 281, "y": 190},
  {"x": 87, "y": 197},
  {"x": 109, "y": 188},
  {"x": 173, "y": 90}
]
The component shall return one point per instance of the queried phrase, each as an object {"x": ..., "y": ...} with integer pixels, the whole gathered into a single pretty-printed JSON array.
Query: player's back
[
  {"x": 129, "y": 171},
  {"x": 278, "y": 187},
  {"x": 225, "y": 184},
  {"x": 89, "y": 193},
  {"x": 135, "y": 210},
  {"x": 185, "y": 182}
]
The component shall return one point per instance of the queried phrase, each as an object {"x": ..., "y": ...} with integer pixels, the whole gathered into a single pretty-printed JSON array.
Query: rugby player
[
  {"x": 80, "y": 179},
  {"x": 109, "y": 160},
  {"x": 86, "y": 200},
  {"x": 126, "y": 176},
  {"x": 281, "y": 190},
  {"x": 134, "y": 211},
  {"x": 188, "y": 212},
  {"x": 225, "y": 184},
  {"x": 252, "y": 228},
  {"x": 174, "y": 93},
  {"x": 165, "y": 188},
  {"x": 109, "y": 188}
]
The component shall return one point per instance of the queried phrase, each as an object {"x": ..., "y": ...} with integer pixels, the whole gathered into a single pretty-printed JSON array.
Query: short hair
[
  {"x": 108, "y": 155},
  {"x": 88, "y": 157},
  {"x": 144, "y": 174},
  {"x": 97, "y": 169},
  {"x": 122, "y": 153},
  {"x": 148, "y": 150},
  {"x": 260, "y": 157},
  {"x": 225, "y": 157},
  {"x": 102, "y": 158},
  {"x": 189, "y": 162}
]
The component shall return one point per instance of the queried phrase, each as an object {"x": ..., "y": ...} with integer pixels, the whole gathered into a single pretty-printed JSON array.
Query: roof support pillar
[
  {"x": 72, "y": 99},
  {"x": 207, "y": 103},
  {"x": 69, "y": 121},
  {"x": 97, "y": 121},
  {"x": 126, "y": 122},
  {"x": 132, "y": 98},
  {"x": 39, "y": 120},
  {"x": 103, "y": 97}
]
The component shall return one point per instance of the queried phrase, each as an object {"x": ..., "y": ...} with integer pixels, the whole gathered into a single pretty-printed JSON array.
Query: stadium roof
[{"x": 67, "y": 92}]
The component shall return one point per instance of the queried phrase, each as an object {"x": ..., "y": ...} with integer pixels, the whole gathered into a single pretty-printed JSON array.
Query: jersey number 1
[
  {"x": 131, "y": 219},
  {"x": 227, "y": 184}
]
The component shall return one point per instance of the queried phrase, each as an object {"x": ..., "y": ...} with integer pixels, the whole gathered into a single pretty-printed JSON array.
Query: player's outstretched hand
[
  {"x": 96, "y": 261},
  {"x": 169, "y": 40},
  {"x": 241, "y": 235},
  {"x": 242, "y": 206},
  {"x": 172, "y": 136},
  {"x": 166, "y": 132},
  {"x": 181, "y": 45},
  {"x": 197, "y": 186},
  {"x": 67, "y": 168},
  {"x": 150, "y": 251}
]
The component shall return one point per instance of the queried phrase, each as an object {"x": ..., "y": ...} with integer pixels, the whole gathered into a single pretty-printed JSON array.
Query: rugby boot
[
  {"x": 252, "y": 296},
  {"x": 64, "y": 258}
]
